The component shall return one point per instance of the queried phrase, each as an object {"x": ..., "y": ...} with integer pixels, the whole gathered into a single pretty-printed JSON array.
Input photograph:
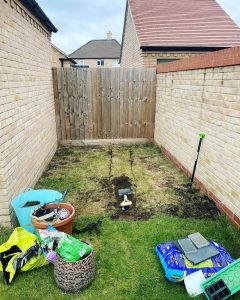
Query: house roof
[
  {"x": 39, "y": 14},
  {"x": 187, "y": 23},
  {"x": 64, "y": 54},
  {"x": 98, "y": 49}
]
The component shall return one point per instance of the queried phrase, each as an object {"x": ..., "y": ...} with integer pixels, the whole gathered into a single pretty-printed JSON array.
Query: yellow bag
[{"x": 21, "y": 252}]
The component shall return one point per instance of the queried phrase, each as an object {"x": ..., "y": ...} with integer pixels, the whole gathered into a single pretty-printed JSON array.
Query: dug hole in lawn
[{"x": 152, "y": 189}]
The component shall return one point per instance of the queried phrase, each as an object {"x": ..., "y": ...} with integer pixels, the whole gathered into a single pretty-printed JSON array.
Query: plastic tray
[
  {"x": 218, "y": 291},
  {"x": 231, "y": 277}
]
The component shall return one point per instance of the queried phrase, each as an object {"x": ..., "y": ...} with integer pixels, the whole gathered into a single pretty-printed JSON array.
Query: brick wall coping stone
[{"x": 222, "y": 58}]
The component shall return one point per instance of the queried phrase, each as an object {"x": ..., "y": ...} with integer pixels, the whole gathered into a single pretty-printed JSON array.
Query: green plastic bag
[
  {"x": 21, "y": 252},
  {"x": 72, "y": 250},
  {"x": 49, "y": 237}
]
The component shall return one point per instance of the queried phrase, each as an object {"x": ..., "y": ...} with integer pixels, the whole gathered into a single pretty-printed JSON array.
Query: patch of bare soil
[
  {"x": 106, "y": 185},
  {"x": 124, "y": 182},
  {"x": 192, "y": 204},
  {"x": 166, "y": 181},
  {"x": 92, "y": 175},
  {"x": 152, "y": 166}
]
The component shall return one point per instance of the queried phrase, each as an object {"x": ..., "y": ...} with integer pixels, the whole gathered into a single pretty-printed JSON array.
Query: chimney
[{"x": 109, "y": 35}]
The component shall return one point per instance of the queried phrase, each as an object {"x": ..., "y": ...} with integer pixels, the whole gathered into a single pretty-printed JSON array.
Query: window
[
  {"x": 115, "y": 63},
  {"x": 80, "y": 62},
  {"x": 165, "y": 60},
  {"x": 100, "y": 62}
]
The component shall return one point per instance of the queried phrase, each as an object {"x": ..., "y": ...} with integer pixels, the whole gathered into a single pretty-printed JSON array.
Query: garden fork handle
[{"x": 202, "y": 136}]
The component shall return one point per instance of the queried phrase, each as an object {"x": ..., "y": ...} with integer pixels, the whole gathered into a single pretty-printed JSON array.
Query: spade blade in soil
[{"x": 123, "y": 192}]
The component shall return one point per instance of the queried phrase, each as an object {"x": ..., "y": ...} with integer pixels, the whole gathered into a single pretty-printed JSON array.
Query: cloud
[{"x": 79, "y": 21}]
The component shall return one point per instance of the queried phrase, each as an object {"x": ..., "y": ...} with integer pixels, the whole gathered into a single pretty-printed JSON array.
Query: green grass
[
  {"x": 127, "y": 266},
  {"x": 82, "y": 171},
  {"x": 126, "y": 263}
]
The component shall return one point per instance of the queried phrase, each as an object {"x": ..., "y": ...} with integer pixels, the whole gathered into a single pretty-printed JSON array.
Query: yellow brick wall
[
  {"x": 56, "y": 63},
  {"x": 131, "y": 53},
  {"x": 149, "y": 59},
  {"x": 27, "y": 119},
  {"x": 203, "y": 100},
  {"x": 92, "y": 63}
]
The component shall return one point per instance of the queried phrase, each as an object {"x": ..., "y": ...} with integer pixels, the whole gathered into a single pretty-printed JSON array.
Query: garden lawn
[
  {"x": 93, "y": 176},
  {"x": 126, "y": 263},
  {"x": 127, "y": 266}
]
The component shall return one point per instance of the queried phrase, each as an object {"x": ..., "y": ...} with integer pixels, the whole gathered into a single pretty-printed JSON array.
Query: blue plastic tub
[{"x": 33, "y": 199}]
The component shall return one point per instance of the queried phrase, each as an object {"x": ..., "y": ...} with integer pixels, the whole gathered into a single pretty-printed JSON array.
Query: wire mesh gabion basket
[{"x": 74, "y": 276}]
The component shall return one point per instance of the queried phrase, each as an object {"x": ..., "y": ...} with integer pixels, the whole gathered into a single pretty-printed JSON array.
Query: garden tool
[
  {"x": 44, "y": 214},
  {"x": 125, "y": 205},
  {"x": 202, "y": 136},
  {"x": 65, "y": 194},
  {"x": 123, "y": 192}
]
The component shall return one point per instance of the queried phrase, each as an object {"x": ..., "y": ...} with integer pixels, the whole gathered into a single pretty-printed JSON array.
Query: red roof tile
[{"x": 184, "y": 23}]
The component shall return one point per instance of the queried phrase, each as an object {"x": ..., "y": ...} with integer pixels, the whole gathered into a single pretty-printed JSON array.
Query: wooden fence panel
[{"x": 104, "y": 103}]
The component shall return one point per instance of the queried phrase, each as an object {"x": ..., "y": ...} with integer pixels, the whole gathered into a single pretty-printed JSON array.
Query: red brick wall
[{"x": 222, "y": 58}]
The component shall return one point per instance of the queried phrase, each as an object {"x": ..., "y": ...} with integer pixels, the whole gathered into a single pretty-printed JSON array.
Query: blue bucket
[{"x": 26, "y": 202}]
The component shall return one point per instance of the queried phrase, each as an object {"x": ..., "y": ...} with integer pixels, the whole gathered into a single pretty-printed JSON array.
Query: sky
[{"x": 79, "y": 21}]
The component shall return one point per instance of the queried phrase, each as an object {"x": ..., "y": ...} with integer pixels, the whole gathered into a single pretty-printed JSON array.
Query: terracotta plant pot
[
  {"x": 64, "y": 225},
  {"x": 74, "y": 276}
]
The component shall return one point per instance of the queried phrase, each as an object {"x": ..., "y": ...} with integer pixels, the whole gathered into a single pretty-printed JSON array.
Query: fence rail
[{"x": 104, "y": 103}]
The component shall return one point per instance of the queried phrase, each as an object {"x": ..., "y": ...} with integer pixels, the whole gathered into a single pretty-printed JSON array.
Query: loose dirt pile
[{"x": 192, "y": 204}]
